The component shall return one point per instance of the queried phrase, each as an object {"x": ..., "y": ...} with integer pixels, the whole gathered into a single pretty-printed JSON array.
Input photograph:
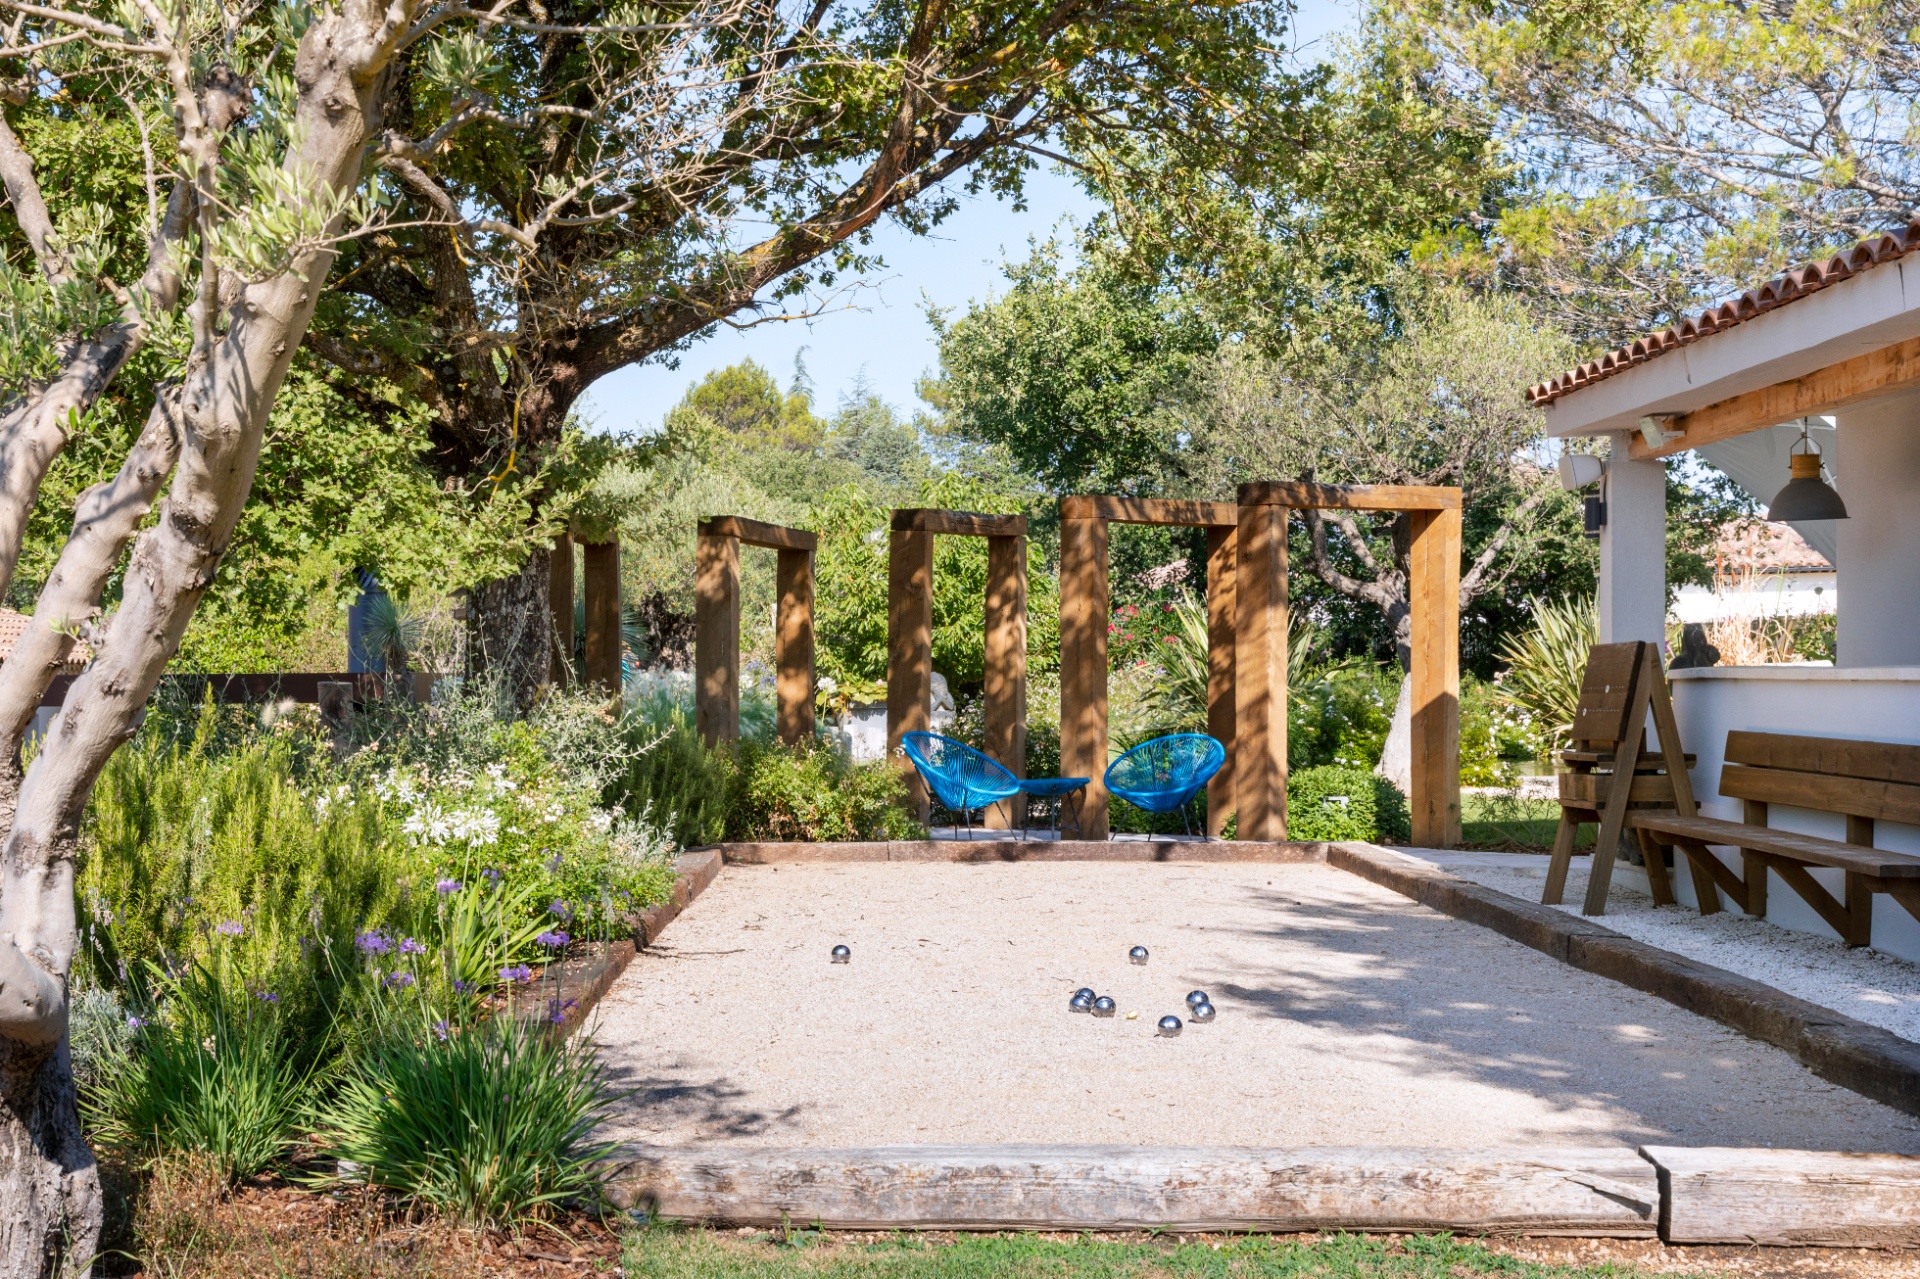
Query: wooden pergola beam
[
  {"x": 716, "y": 619},
  {"x": 1836, "y": 386},
  {"x": 958, "y": 523},
  {"x": 1151, "y": 510},
  {"x": 910, "y": 634},
  {"x": 1261, "y": 649},
  {"x": 602, "y": 582}
]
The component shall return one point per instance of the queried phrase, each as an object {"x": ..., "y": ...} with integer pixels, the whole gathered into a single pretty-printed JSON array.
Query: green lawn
[
  {"x": 1511, "y": 824},
  {"x": 674, "y": 1253}
]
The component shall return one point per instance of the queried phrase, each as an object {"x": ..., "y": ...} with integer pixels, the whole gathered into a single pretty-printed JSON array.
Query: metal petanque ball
[
  {"x": 1202, "y": 1011},
  {"x": 1169, "y": 1026},
  {"x": 1138, "y": 955},
  {"x": 1103, "y": 1006},
  {"x": 1196, "y": 997},
  {"x": 842, "y": 955},
  {"x": 1081, "y": 1002}
]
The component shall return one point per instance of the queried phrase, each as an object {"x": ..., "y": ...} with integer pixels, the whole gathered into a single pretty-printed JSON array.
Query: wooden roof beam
[
  {"x": 958, "y": 523},
  {"x": 774, "y": 537},
  {"x": 1151, "y": 510},
  {"x": 1299, "y": 494}
]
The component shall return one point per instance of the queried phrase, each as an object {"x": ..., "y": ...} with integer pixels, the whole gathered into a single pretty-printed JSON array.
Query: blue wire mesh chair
[
  {"x": 1164, "y": 774},
  {"x": 960, "y": 777}
]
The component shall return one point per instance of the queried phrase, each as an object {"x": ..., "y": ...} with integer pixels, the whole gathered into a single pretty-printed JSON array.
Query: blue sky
[{"x": 879, "y": 332}]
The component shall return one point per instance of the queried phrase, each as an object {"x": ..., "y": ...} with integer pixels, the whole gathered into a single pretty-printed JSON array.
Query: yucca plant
[
  {"x": 1545, "y": 664},
  {"x": 1180, "y": 693},
  {"x": 489, "y": 1124}
]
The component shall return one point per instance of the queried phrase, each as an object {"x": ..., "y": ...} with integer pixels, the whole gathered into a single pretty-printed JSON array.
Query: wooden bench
[{"x": 1863, "y": 781}]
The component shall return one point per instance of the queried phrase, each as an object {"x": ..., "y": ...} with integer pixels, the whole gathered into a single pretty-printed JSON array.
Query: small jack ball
[
  {"x": 1202, "y": 1011},
  {"x": 1169, "y": 1026},
  {"x": 1138, "y": 954},
  {"x": 842, "y": 955},
  {"x": 1103, "y": 1006},
  {"x": 1195, "y": 997}
]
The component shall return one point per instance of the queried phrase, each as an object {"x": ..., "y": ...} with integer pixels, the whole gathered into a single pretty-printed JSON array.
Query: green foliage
[
  {"x": 1492, "y": 737},
  {"x": 1341, "y": 715},
  {"x": 216, "y": 1073},
  {"x": 490, "y": 1125},
  {"x": 744, "y": 401},
  {"x": 1335, "y": 802},
  {"x": 1544, "y": 667},
  {"x": 779, "y": 792},
  {"x": 672, "y": 778}
]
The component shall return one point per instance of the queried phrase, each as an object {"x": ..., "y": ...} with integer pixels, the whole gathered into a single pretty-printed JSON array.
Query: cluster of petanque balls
[{"x": 1199, "y": 1007}]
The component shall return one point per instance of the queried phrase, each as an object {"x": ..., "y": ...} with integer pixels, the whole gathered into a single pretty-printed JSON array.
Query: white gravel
[{"x": 1867, "y": 984}]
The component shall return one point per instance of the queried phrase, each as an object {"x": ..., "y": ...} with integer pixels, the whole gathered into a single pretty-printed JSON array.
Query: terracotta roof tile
[
  {"x": 1797, "y": 283},
  {"x": 13, "y": 625},
  {"x": 1752, "y": 544}
]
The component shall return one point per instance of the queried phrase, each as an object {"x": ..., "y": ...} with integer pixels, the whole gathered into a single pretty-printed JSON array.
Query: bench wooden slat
[
  {"x": 1649, "y": 759},
  {"x": 1852, "y": 796},
  {"x": 1873, "y": 862},
  {"x": 1841, "y": 757}
]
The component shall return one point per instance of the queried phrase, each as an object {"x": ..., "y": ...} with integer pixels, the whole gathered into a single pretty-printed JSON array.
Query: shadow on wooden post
[{"x": 603, "y": 616}]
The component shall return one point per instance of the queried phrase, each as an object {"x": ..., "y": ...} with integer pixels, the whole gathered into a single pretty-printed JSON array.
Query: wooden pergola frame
[
  {"x": 1085, "y": 611},
  {"x": 716, "y": 617},
  {"x": 910, "y": 632},
  {"x": 1260, "y": 666}
]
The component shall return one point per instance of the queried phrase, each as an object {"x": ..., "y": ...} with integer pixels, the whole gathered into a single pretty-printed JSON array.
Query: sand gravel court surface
[{"x": 1348, "y": 1015}]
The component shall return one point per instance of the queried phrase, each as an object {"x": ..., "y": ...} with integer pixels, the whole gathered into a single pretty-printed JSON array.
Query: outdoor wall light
[
  {"x": 1577, "y": 470},
  {"x": 1806, "y": 496}
]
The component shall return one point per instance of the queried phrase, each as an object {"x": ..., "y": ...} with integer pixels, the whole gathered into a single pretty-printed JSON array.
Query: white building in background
[{"x": 1760, "y": 570}]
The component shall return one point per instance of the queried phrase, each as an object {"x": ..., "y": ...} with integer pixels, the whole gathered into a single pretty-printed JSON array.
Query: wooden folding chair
[{"x": 1609, "y": 729}]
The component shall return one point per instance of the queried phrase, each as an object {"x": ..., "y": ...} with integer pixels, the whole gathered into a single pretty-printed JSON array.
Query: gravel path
[
  {"x": 1348, "y": 1016},
  {"x": 1877, "y": 988}
]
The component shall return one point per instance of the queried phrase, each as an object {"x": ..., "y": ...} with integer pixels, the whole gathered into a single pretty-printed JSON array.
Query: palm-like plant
[
  {"x": 1546, "y": 662},
  {"x": 1180, "y": 693}
]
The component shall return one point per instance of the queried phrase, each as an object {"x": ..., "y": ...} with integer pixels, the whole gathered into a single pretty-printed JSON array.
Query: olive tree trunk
[{"x": 205, "y": 432}]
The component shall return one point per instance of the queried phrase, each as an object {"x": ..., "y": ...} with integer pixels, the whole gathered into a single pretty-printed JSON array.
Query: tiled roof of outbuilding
[{"x": 1795, "y": 284}]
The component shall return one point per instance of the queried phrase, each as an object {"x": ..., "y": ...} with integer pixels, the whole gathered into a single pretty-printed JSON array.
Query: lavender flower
[
  {"x": 445, "y": 886},
  {"x": 399, "y": 981},
  {"x": 517, "y": 973},
  {"x": 557, "y": 1011},
  {"x": 231, "y": 928},
  {"x": 462, "y": 987},
  {"x": 491, "y": 875},
  {"x": 266, "y": 996},
  {"x": 408, "y": 946},
  {"x": 553, "y": 939},
  {"x": 441, "y": 1030},
  {"x": 373, "y": 942},
  {"x": 135, "y": 1023},
  {"x": 560, "y": 909}
]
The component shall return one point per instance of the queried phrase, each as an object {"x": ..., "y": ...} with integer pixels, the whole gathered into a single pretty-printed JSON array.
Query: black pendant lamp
[{"x": 1806, "y": 496}]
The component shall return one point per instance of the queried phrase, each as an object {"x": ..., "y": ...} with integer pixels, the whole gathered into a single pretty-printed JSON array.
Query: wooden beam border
[{"x": 716, "y": 621}]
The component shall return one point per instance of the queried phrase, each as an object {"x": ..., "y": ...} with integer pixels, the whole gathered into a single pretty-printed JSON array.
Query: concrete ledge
[
  {"x": 1020, "y": 850},
  {"x": 1872, "y": 1062},
  {"x": 1588, "y": 1192}
]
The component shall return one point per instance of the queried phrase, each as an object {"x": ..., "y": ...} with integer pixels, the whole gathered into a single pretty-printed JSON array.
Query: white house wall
[{"x": 1879, "y": 621}]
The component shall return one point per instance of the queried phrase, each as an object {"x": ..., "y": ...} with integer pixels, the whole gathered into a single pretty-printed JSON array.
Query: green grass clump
[{"x": 487, "y": 1124}]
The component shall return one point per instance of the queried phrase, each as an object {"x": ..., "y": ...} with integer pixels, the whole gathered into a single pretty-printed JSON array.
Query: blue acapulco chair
[
  {"x": 960, "y": 777},
  {"x": 1164, "y": 774}
]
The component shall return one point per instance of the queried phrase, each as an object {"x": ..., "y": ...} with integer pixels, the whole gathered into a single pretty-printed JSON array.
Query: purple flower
[
  {"x": 266, "y": 996},
  {"x": 373, "y": 942},
  {"x": 399, "y": 981},
  {"x": 562, "y": 910},
  {"x": 553, "y": 939},
  {"x": 441, "y": 1029},
  {"x": 408, "y": 946},
  {"x": 135, "y": 1023},
  {"x": 231, "y": 927},
  {"x": 553, "y": 865},
  {"x": 445, "y": 886},
  {"x": 557, "y": 1011},
  {"x": 517, "y": 973},
  {"x": 491, "y": 875},
  {"x": 462, "y": 987}
]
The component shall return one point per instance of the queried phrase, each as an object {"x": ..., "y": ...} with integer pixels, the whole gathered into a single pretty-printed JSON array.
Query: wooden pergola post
[
  {"x": 603, "y": 615},
  {"x": 1261, "y": 627},
  {"x": 716, "y": 623},
  {"x": 910, "y": 633},
  {"x": 560, "y": 601},
  {"x": 1085, "y": 612}
]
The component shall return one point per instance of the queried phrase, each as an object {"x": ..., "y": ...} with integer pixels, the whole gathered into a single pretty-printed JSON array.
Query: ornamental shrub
[
  {"x": 1333, "y": 803},
  {"x": 813, "y": 793}
]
